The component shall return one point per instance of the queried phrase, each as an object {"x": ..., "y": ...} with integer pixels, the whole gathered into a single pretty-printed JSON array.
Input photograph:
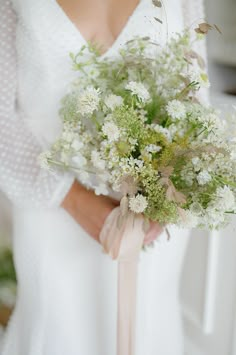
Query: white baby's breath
[{"x": 43, "y": 160}]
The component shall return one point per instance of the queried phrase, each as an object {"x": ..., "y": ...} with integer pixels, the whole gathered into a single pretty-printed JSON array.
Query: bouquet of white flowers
[{"x": 133, "y": 124}]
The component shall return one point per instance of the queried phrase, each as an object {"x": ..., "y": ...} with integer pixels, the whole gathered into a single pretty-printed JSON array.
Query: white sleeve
[{"x": 21, "y": 178}]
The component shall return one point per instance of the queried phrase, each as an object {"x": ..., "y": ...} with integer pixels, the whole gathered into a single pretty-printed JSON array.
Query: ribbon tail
[{"x": 127, "y": 283}]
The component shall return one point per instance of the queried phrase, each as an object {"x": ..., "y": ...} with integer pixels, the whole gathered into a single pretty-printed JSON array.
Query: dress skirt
[{"x": 67, "y": 291}]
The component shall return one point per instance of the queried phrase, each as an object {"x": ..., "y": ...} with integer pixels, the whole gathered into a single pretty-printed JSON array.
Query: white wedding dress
[{"x": 67, "y": 287}]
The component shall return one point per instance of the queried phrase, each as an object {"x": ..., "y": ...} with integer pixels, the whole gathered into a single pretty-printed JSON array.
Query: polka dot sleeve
[{"x": 21, "y": 178}]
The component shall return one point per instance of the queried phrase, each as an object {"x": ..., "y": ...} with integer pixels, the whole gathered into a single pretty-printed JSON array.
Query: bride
[{"x": 67, "y": 296}]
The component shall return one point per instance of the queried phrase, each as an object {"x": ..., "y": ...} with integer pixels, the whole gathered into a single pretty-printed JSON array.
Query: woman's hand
[
  {"x": 91, "y": 211},
  {"x": 88, "y": 209}
]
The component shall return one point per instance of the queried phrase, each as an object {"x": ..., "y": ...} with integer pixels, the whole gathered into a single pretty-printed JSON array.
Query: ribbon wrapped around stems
[{"x": 124, "y": 244}]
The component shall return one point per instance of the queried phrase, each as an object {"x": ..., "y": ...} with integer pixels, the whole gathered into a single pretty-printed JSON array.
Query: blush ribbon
[{"x": 124, "y": 244}]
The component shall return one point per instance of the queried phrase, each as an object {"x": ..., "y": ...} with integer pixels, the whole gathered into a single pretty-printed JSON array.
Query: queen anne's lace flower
[
  {"x": 139, "y": 90},
  {"x": 176, "y": 110},
  {"x": 88, "y": 101},
  {"x": 138, "y": 204},
  {"x": 111, "y": 131}
]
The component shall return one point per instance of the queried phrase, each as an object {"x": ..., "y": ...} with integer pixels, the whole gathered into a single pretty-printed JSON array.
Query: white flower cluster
[
  {"x": 112, "y": 101},
  {"x": 139, "y": 90},
  {"x": 88, "y": 101},
  {"x": 144, "y": 135},
  {"x": 176, "y": 110},
  {"x": 111, "y": 130}
]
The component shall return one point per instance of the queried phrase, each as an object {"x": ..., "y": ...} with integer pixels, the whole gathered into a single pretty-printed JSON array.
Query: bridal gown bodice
[{"x": 67, "y": 296}]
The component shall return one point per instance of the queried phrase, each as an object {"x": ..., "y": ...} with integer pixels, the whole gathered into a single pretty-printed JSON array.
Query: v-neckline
[{"x": 77, "y": 31}]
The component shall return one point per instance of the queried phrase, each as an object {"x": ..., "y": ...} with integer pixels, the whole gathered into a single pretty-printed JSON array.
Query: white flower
[
  {"x": 97, "y": 161},
  {"x": 189, "y": 220},
  {"x": 196, "y": 209},
  {"x": 68, "y": 136},
  {"x": 101, "y": 190},
  {"x": 113, "y": 101},
  {"x": 77, "y": 144},
  {"x": 162, "y": 130},
  {"x": 139, "y": 90},
  {"x": 84, "y": 177},
  {"x": 111, "y": 131},
  {"x": 196, "y": 163},
  {"x": 88, "y": 101},
  {"x": 203, "y": 177},
  {"x": 138, "y": 204},
  {"x": 200, "y": 77},
  {"x": 153, "y": 148},
  {"x": 43, "y": 160},
  {"x": 79, "y": 160},
  {"x": 176, "y": 110},
  {"x": 133, "y": 141},
  {"x": 225, "y": 199}
]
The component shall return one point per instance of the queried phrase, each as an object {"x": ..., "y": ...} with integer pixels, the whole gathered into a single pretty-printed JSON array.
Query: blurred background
[{"x": 208, "y": 284}]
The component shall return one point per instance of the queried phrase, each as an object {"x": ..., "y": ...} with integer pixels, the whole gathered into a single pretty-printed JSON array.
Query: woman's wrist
[{"x": 71, "y": 201}]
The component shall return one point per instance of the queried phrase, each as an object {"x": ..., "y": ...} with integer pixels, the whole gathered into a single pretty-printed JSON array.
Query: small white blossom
[
  {"x": 176, "y": 110},
  {"x": 97, "y": 161},
  {"x": 139, "y": 90},
  {"x": 196, "y": 163},
  {"x": 84, "y": 177},
  {"x": 101, "y": 190},
  {"x": 203, "y": 177},
  {"x": 88, "y": 101},
  {"x": 111, "y": 131},
  {"x": 43, "y": 160},
  {"x": 225, "y": 199},
  {"x": 113, "y": 101},
  {"x": 79, "y": 160},
  {"x": 162, "y": 130},
  {"x": 153, "y": 148},
  {"x": 189, "y": 220},
  {"x": 133, "y": 141},
  {"x": 68, "y": 136},
  {"x": 77, "y": 144},
  {"x": 138, "y": 204}
]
